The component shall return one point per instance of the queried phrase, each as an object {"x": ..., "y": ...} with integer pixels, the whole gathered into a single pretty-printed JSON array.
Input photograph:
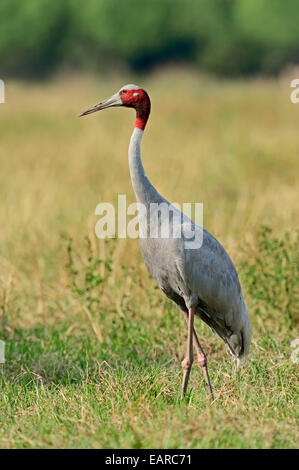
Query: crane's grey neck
[{"x": 144, "y": 190}]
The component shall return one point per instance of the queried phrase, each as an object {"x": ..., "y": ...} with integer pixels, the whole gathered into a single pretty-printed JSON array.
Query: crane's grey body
[{"x": 204, "y": 278}]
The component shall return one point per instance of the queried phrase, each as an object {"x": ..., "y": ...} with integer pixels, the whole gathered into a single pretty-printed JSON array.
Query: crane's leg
[
  {"x": 202, "y": 358},
  {"x": 188, "y": 361}
]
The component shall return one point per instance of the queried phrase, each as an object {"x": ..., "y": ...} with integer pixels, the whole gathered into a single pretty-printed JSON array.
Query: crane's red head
[{"x": 130, "y": 96}]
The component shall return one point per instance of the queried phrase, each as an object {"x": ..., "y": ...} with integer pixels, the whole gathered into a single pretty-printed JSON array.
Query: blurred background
[{"x": 223, "y": 37}]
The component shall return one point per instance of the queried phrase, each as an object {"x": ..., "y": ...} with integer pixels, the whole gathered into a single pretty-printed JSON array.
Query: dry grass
[{"x": 109, "y": 376}]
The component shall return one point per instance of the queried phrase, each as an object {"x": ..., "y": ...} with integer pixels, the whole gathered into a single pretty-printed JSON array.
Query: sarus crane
[{"x": 201, "y": 280}]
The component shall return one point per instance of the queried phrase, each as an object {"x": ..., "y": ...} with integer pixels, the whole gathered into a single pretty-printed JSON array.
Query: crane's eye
[{"x": 123, "y": 91}]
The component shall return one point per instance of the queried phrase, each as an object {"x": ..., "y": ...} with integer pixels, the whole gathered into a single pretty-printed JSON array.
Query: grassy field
[{"x": 93, "y": 349}]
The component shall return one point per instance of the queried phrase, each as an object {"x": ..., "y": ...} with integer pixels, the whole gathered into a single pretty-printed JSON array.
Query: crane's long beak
[{"x": 114, "y": 100}]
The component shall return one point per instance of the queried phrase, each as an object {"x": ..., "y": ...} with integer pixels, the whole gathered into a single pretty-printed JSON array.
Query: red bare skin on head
[{"x": 139, "y": 100}]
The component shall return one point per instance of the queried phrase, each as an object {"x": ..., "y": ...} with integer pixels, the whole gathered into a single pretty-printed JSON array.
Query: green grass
[
  {"x": 93, "y": 348},
  {"x": 117, "y": 385}
]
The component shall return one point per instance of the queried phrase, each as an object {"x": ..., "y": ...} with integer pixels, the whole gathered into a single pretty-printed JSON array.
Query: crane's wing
[{"x": 211, "y": 275}]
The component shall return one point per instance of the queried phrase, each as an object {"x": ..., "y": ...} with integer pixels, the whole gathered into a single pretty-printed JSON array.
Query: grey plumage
[{"x": 204, "y": 278}]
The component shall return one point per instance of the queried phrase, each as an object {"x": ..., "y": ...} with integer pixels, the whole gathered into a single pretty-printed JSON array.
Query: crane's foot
[
  {"x": 202, "y": 360},
  {"x": 207, "y": 378},
  {"x": 186, "y": 365},
  {"x": 188, "y": 361}
]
